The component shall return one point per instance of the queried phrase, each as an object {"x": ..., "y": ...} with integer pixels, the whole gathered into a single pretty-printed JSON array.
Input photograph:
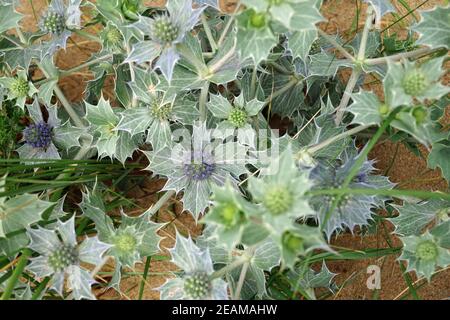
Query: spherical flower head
[
  {"x": 161, "y": 112},
  {"x": 238, "y": 117},
  {"x": 20, "y": 87},
  {"x": 258, "y": 19},
  {"x": 199, "y": 171},
  {"x": 38, "y": 135},
  {"x": 63, "y": 257},
  {"x": 383, "y": 109},
  {"x": 427, "y": 251},
  {"x": 53, "y": 22},
  {"x": 113, "y": 36},
  {"x": 197, "y": 285},
  {"x": 164, "y": 30},
  {"x": 415, "y": 83},
  {"x": 125, "y": 242},
  {"x": 278, "y": 200},
  {"x": 293, "y": 242},
  {"x": 228, "y": 212},
  {"x": 420, "y": 114}
]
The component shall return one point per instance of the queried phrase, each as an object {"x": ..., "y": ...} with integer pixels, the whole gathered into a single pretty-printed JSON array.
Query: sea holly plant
[
  {"x": 60, "y": 18},
  {"x": 135, "y": 238},
  {"x": 60, "y": 256},
  {"x": 237, "y": 144},
  {"x": 197, "y": 281},
  {"x": 41, "y": 137},
  {"x": 19, "y": 88},
  {"x": 166, "y": 32}
]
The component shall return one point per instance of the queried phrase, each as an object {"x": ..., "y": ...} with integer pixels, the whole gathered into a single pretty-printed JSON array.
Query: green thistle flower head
[
  {"x": 238, "y": 117},
  {"x": 420, "y": 114},
  {"x": 63, "y": 257},
  {"x": 293, "y": 242},
  {"x": 164, "y": 30},
  {"x": 161, "y": 112},
  {"x": 20, "y": 87},
  {"x": 113, "y": 36},
  {"x": 427, "y": 251},
  {"x": 197, "y": 285},
  {"x": 384, "y": 109},
  {"x": 53, "y": 22},
  {"x": 415, "y": 83},
  {"x": 258, "y": 20},
  {"x": 278, "y": 200},
  {"x": 125, "y": 242}
]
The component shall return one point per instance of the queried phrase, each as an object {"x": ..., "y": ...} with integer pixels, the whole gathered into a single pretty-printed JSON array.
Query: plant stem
[
  {"x": 40, "y": 288},
  {"x": 66, "y": 104},
  {"x": 219, "y": 63},
  {"x": 202, "y": 101},
  {"x": 336, "y": 45},
  {"x": 340, "y": 110},
  {"x": 241, "y": 280},
  {"x": 228, "y": 25},
  {"x": 345, "y": 134},
  {"x": 23, "y": 260},
  {"x": 144, "y": 277},
  {"x": 382, "y": 192},
  {"x": 153, "y": 209},
  {"x": 356, "y": 72},
  {"x": 87, "y": 35},
  {"x": 233, "y": 265},
  {"x": 367, "y": 26},
  {"x": 404, "y": 55},
  {"x": 209, "y": 35},
  {"x": 84, "y": 65}
]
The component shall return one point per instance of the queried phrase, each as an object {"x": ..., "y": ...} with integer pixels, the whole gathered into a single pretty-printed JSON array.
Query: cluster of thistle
[{"x": 195, "y": 91}]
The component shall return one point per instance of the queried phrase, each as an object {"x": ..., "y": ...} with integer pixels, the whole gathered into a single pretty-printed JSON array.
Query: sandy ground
[{"x": 407, "y": 169}]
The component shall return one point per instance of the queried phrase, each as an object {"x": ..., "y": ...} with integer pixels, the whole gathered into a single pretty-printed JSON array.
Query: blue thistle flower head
[
  {"x": 199, "y": 166},
  {"x": 38, "y": 135}
]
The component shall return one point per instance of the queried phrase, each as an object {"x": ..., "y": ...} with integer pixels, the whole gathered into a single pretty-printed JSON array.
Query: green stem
[
  {"x": 208, "y": 32},
  {"x": 153, "y": 209},
  {"x": 336, "y": 45},
  {"x": 23, "y": 260},
  {"x": 85, "y": 65},
  {"x": 87, "y": 35},
  {"x": 144, "y": 277},
  {"x": 400, "y": 56},
  {"x": 315, "y": 148},
  {"x": 241, "y": 280},
  {"x": 40, "y": 288},
  {"x": 202, "y": 101},
  {"x": 367, "y": 26},
  {"x": 233, "y": 265},
  {"x": 397, "y": 193},
  {"x": 66, "y": 104},
  {"x": 340, "y": 110}
]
